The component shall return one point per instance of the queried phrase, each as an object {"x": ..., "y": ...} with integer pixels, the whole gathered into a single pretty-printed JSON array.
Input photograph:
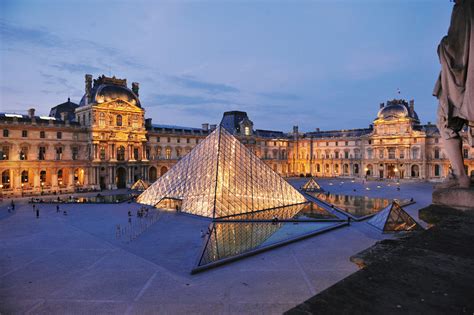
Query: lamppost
[
  {"x": 1, "y": 192},
  {"x": 22, "y": 184},
  {"x": 42, "y": 187}
]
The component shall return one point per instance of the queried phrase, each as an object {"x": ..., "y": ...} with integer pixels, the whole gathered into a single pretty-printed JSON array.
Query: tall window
[
  {"x": 24, "y": 133},
  {"x": 5, "y": 153},
  {"x": 369, "y": 154},
  {"x": 346, "y": 154},
  {"x": 42, "y": 135},
  {"x": 24, "y": 153},
  {"x": 391, "y": 153},
  {"x": 436, "y": 153},
  {"x": 402, "y": 153},
  {"x": 6, "y": 179},
  {"x": 60, "y": 177},
  {"x": 119, "y": 120},
  {"x": 247, "y": 130},
  {"x": 59, "y": 135},
  {"x": 158, "y": 152},
  {"x": 135, "y": 153},
  {"x": 42, "y": 176},
  {"x": 178, "y": 152},
  {"x": 41, "y": 153},
  {"x": 24, "y": 177},
  {"x": 121, "y": 153},
  {"x": 75, "y": 153},
  {"x": 102, "y": 153},
  {"x": 6, "y": 133},
  {"x": 135, "y": 121},
  {"x": 101, "y": 119},
  {"x": 414, "y": 153},
  {"x": 436, "y": 170},
  {"x": 381, "y": 153},
  {"x": 168, "y": 153},
  {"x": 59, "y": 153}
]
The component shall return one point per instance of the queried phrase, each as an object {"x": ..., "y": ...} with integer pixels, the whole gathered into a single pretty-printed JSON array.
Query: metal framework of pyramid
[
  {"x": 140, "y": 185},
  {"x": 393, "y": 219},
  {"x": 220, "y": 177},
  {"x": 311, "y": 185}
]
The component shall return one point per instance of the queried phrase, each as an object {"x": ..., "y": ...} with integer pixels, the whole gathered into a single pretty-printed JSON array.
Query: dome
[
  {"x": 394, "y": 111},
  {"x": 109, "y": 89}
]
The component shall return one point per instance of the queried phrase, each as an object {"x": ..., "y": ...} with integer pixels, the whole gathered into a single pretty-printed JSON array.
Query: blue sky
[{"x": 318, "y": 64}]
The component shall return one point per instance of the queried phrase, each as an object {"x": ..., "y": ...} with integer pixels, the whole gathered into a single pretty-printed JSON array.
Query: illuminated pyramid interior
[
  {"x": 311, "y": 185},
  {"x": 393, "y": 219},
  {"x": 140, "y": 185},
  {"x": 220, "y": 177}
]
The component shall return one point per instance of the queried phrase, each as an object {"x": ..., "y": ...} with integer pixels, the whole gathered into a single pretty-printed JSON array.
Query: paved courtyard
[{"x": 75, "y": 264}]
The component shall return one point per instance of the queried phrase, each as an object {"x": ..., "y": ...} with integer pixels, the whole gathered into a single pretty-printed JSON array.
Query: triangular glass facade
[
  {"x": 140, "y": 185},
  {"x": 311, "y": 185},
  {"x": 393, "y": 219},
  {"x": 220, "y": 177}
]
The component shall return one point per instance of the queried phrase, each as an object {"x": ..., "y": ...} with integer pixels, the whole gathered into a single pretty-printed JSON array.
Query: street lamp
[
  {"x": 22, "y": 184},
  {"x": 1, "y": 192},
  {"x": 42, "y": 187}
]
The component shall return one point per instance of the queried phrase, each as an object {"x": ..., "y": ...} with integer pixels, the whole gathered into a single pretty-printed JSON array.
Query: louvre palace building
[{"x": 105, "y": 142}]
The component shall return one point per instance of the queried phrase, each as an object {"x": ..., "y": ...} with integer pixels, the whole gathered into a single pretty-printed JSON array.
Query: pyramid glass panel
[
  {"x": 311, "y": 185},
  {"x": 220, "y": 177},
  {"x": 228, "y": 239},
  {"x": 394, "y": 219},
  {"x": 140, "y": 185}
]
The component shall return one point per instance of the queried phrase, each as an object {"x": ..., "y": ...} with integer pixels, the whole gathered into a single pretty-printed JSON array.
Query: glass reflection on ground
[{"x": 357, "y": 206}]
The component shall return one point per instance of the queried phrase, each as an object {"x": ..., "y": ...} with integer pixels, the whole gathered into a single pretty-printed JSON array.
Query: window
[
  {"x": 169, "y": 139},
  {"x": 24, "y": 133},
  {"x": 121, "y": 153},
  {"x": 24, "y": 153},
  {"x": 414, "y": 140},
  {"x": 59, "y": 135},
  {"x": 5, "y": 133},
  {"x": 187, "y": 140},
  {"x": 5, "y": 153},
  {"x": 381, "y": 153},
  {"x": 60, "y": 177},
  {"x": 247, "y": 130},
  {"x": 369, "y": 154},
  {"x": 59, "y": 153},
  {"x": 391, "y": 153},
  {"x": 168, "y": 153},
  {"x": 135, "y": 153},
  {"x": 6, "y": 179},
  {"x": 41, "y": 153},
  {"x": 337, "y": 143},
  {"x": 402, "y": 153},
  {"x": 178, "y": 140},
  {"x": 157, "y": 139},
  {"x": 414, "y": 153},
  {"x": 197, "y": 140},
  {"x": 436, "y": 170},
  {"x": 89, "y": 117},
  {"x": 102, "y": 153},
  {"x": 178, "y": 152},
  {"x": 135, "y": 121},
  {"x": 101, "y": 119},
  {"x": 42, "y": 176},
  {"x": 158, "y": 152},
  {"x": 336, "y": 154},
  {"x": 75, "y": 153},
  {"x": 436, "y": 153},
  {"x": 436, "y": 140},
  {"x": 24, "y": 177},
  {"x": 42, "y": 135},
  {"x": 346, "y": 154},
  {"x": 347, "y": 142},
  {"x": 147, "y": 153},
  {"x": 119, "y": 120}
]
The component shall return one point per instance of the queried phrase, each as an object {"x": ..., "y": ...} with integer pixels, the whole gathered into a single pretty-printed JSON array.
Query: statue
[{"x": 455, "y": 89}]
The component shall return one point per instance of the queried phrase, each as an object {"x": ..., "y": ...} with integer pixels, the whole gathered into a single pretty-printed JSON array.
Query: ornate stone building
[{"x": 106, "y": 142}]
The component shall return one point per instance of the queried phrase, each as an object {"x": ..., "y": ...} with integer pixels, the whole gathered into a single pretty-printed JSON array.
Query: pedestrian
[
  {"x": 9, "y": 209},
  {"x": 129, "y": 213},
  {"x": 37, "y": 212},
  {"x": 202, "y": 233},
  {"x": 13, "y": 206},
  {"x": 57, "y": 208},
  {"x": 64, "y": 212}
]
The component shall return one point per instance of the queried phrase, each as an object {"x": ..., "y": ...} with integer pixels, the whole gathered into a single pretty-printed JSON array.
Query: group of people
[
  {"x": 142, "y": 212},
  {"x": 11, "y": 207}
]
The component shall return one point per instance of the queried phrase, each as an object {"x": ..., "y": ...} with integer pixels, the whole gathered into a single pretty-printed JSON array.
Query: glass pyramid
[
  {"x": 393, "y": 219},
  {"x": 311, "y": 185},
  {"x": 220, "y": 177},
  {"x": 140, "y": 185}
]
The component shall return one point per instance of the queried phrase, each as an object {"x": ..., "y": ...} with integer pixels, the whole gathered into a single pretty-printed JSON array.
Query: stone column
[{"x": 54, "y": 178}]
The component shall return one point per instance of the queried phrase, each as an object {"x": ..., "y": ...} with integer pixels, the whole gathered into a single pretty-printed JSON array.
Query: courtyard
[{"x": 76, "y": 263}]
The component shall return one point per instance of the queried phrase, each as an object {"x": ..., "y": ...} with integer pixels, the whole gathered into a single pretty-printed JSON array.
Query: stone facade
[{"x": 109, "y": 144}]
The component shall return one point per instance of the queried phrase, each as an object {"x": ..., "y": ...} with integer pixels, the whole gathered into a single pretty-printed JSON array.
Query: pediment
[{"x": 120, "y": 105}]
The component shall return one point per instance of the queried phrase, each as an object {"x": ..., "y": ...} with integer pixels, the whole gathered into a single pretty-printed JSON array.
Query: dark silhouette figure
[{"x": 37, "y": 213}]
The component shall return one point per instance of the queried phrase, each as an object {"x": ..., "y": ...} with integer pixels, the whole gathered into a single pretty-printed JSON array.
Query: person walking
[
  {"x": 57, "y": 208},
  {"x": 13, "y": 206},
  {"x": 37, "y": 212}
]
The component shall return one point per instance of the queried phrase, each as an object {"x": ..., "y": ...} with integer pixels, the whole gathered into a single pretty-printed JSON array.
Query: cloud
[
  {"x": 178, "y": 99},
  {"x": 37, "y": 36},
  {"x": 191, "y": 82},
  {"x": 281, "y": 96},
  {"x": 76, "y": 68}
]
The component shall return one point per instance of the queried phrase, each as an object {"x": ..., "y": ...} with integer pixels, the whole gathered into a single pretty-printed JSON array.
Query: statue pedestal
[{"x": 458, "y": 198}]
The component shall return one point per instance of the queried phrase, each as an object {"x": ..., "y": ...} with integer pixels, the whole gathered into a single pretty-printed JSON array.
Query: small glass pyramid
[
  {"x": 140, "y": 185},
  {"x": 220, "y": 177},
  {"x": 393, "y": 219},
  {"x": 311, "y": 185}
]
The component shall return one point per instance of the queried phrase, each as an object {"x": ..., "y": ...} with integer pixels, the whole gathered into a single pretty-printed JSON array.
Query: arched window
[
  {"x": 326, "y": 168},
  {"x": 336, "y": 168},
  {"x": 6, "y": 179},
  {"x": 119, "y": 120},
  {"x": 24, "y": 177},
  {"x": 356, "y": 168},
  {"x": 436, "y": 170},
  {"x": 318, "y": 168},
  {"x": 121, "y": 153},
  {"x": 102, "y": 119},
  {"x": 168, "y": 153},
  {"x": 42, "y": 176},
  {"x": 415, "y": 171},
  {"x": 60, "y": 177},
  {"x": 346, "y": 169}
]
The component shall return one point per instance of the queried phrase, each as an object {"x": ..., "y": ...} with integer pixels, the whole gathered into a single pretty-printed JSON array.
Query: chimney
[
  {"x": 412, "y": 106},
  {"x": 382, "y": 105},
  {"x": 148, "y": 123},
  {"x": 213, "y": 127},
  {"x": 31, "y": 113},
  {"x": 63, "y": 116},
  {"x": 88, "y": 78},
  {"x": 317, "y": 129},
  {"x": 205, "y": 127},
  {"x": 295, "y": 132},
  {"x": 135, "y": 87}
]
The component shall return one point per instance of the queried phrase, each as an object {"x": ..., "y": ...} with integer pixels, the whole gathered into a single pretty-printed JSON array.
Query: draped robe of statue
[{"x": 455, "y": 85}]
